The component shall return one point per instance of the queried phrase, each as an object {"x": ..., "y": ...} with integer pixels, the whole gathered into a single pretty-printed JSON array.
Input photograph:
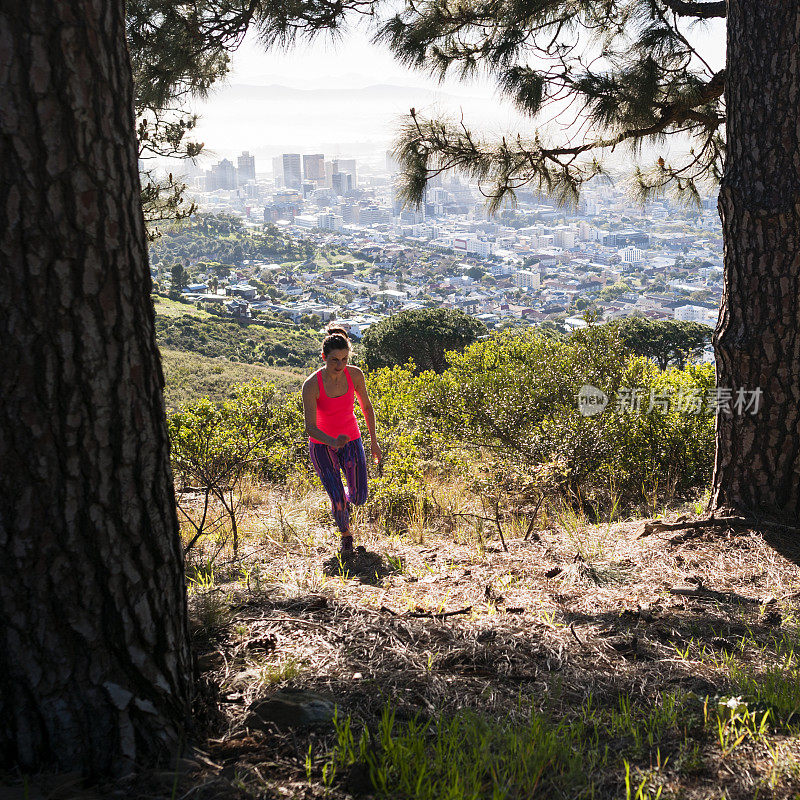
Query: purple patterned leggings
[{"x": 329, "y": 464}]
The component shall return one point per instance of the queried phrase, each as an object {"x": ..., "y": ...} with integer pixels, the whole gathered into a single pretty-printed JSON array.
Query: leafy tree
[
  {"x": 630, "y": 71},
  {"x": 420, "y": 335},
  {"x": 178, "y": 276},
  {"x": 95, "y": 665},
  {"x": 614, "y": 291},
  {"x": 665, "y": 341}
]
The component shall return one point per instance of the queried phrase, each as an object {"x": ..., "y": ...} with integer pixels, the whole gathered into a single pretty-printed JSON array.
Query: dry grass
[{"x": 440, "y": 618}]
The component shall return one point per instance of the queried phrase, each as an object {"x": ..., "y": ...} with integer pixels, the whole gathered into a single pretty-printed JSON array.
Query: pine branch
[
  {"x": 686, "y": 8},
  {"x": 427, "y": 148},
  {"x": 674, "y": 113}
]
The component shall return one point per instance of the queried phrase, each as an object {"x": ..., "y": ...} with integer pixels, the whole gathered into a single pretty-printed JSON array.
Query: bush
[
  {"x": 517, "y": 395},
  {"x": 395, "y": 493},
  {"x": 214, "y": 446}
]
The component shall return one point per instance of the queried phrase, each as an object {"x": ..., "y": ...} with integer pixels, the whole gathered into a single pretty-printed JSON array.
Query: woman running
[{"x": 334, "y": 437}]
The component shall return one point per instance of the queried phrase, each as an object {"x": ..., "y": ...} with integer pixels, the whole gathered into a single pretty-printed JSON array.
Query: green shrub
[
  {"x": 517, "y": 395},
  {"x": 395, "y": 493}
]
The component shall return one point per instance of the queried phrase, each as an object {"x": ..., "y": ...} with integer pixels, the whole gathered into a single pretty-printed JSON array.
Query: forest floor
[{"x": 600, "y": 661}]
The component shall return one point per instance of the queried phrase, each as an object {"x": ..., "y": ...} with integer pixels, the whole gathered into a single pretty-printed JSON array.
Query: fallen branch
[
  {"x": 701, "y": 593},
  {"x": 655, "y": 526},
  {"x": 440, "y": 615},
  {"x": 575, "y": 635},
  {"x": 301, "y": 621}
]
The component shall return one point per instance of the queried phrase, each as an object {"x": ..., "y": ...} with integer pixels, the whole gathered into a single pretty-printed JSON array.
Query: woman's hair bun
[
  {"x": 332, "y": 329},
  {"x": 335, "y": 338}
]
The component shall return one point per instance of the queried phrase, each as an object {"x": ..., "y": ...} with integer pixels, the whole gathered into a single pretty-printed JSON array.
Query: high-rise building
[
  {"x": 221, "y": 176},
  {"x": 341, "y": 183},
  {"x": 277, "y": 171},
  {"x": 246, "y": 167},
  {"x": 347, "y": 165},
  {"x": 331, "y": 168},
  {"x": 314, "y": 167},
  {"x": 292, "y": 171}
]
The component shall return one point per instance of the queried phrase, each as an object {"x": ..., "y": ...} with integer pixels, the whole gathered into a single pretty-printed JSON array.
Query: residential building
[
  {"x": 527, "y": 279},
  {"x": 564, "y": 237},
  {"x": 329, "y": 221},
  {"x": 691, "y": 313},
  {"x": 631, "y": 255}
]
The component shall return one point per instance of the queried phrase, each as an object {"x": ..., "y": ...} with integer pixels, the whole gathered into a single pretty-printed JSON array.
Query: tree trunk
[
  {"x": 94, "y": 656},
  {"x": 757, "y": 340}
]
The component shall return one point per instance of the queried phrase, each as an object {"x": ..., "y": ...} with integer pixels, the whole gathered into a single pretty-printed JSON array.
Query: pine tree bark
[
  {"x": 757, "y": 340},
  {"x": 94, "y": 657}
]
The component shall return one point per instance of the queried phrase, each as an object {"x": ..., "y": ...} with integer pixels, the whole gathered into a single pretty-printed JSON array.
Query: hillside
[
  {"x": 184, "y": 327},
  {"x": 189, "y": 376},
  {"x": 508, "y": 627}
]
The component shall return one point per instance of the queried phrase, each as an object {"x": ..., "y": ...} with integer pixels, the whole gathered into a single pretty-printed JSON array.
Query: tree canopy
[
  {"x": 665, "y": 341},
  {"x": 420, "y": 335},
  {"x": 612, "y": 73}
]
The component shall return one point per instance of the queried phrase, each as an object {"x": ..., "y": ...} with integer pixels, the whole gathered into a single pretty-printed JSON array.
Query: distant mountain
[
  {"x": 263, "y": 118},
  {"x": 381, "y": 92}
]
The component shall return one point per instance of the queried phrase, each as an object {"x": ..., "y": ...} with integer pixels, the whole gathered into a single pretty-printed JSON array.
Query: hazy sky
[{"x": 325, "y": 104}]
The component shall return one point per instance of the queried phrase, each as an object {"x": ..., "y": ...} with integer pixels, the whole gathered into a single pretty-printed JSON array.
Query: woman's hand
[
  {"x": 341, "y": 440},
  {"x": 377, "y": 454}
]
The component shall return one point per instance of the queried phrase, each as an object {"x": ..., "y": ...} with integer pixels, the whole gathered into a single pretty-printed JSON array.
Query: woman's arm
[
  {"x": 310, "y": 397},
  {"x": 360, "y": 387}
]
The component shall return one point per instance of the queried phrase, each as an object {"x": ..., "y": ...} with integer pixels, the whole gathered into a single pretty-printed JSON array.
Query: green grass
[
  {"x": 212, "y": 336},
  {"x": 776, "y": 687},
  {"x": 189, "y": 376},
  {"x": 165, "y": 307},
  {"x": 469, "y": 757},
  {"x": 461, "y": 757}
]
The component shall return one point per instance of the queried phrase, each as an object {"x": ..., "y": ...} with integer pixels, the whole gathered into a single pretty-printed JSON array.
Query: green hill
[
  {"x": 189, "y": 376},
  {"x": 273, "y": 344}
]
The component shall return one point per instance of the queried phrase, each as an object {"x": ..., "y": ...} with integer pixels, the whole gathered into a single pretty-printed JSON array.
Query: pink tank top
[{"x": 336, "y": 415}]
